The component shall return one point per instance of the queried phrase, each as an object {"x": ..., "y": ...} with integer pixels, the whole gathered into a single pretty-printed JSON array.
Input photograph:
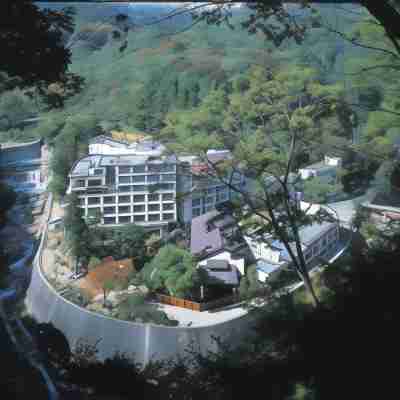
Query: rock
[
  {"x": 113, "y": 297},
  {"x": 143, "y": 289},
  {"x": 52, "y": 244},
  {"x": 99, "y": 298},
  {"x": 96, "y": 307}
]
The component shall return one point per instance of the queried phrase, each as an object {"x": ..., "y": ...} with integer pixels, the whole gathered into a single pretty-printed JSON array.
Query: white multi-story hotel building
[
  {"x": 134, "y": 182},
  {"x": 126, "y": 183}
]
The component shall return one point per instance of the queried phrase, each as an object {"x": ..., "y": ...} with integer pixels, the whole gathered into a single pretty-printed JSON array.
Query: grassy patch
[{"x": 301, "y": 295}]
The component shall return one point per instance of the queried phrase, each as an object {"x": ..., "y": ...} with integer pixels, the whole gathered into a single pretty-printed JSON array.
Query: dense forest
[{"x": 135, "y": 74}]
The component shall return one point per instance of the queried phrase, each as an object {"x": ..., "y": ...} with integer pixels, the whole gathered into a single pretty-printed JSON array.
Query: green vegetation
[
  {"x": 76, "y": 296},
  {"x": 249, "y": 283},
  {"x": 135, "y": 308},
  {"x": 108, "y": 286},
  {"x": 174, "y": 270},
  {"x": 127, "y": 241},
  {"x": 77, "y": 232},
  {"x": 317, "y": 190},
  {"x": 91, "y": 243},
  {"x": 93, "y": 262}
]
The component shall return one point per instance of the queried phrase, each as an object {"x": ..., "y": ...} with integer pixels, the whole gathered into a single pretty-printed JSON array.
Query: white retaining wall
[{"x": 142, "y": 342}]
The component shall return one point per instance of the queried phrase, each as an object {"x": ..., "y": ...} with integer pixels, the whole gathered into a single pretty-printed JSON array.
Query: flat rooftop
[{"x": 82, "y": 166}]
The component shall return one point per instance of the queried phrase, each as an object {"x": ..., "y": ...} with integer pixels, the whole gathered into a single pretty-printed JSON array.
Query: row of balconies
[
  {"x": 146, "y": 168},
  {"x": 141, "y": 219},
  {"x": 136, "y": 208}
]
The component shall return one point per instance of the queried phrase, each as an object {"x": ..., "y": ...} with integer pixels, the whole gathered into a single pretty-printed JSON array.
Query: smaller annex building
[{"x": 21, "y": 165}]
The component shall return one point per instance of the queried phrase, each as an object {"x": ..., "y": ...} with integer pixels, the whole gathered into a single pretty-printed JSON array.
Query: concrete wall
[{"x": 141, "y": 341}]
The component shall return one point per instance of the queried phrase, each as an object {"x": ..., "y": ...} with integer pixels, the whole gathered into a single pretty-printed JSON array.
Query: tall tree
[
  {"x": 33, "y": 50},
  {"x": 77, "y": 232},
  {"x": 268, "y": 127}
]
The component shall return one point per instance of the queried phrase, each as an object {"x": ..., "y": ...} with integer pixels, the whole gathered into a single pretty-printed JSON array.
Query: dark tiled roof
[
  {"x": 221, "y": 272},
  {"x": 203, "y": 239}
]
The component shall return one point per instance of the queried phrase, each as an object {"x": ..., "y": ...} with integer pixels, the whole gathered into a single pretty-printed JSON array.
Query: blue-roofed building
[
  {"x": 317, "y": 240},
  {"x": 265, "y": 269}
]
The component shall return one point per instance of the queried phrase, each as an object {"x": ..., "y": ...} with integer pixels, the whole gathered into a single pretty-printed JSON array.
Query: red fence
[
  {"x": 174, "y": 301},
  {"x": 223, "y": 301}
]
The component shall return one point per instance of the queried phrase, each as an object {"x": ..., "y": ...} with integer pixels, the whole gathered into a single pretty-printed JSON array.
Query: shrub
[
  {"x": 93, "y": 262},
  {"x": 135, "y": 308},
  {"x": 77, "y": 296}
]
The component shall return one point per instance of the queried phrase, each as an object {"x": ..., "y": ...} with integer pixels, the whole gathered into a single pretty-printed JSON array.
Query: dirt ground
[{"x": 94, "y": 281}]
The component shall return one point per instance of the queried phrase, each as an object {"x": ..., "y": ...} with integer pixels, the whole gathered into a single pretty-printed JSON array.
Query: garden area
[{"x": 125, "y": 272}]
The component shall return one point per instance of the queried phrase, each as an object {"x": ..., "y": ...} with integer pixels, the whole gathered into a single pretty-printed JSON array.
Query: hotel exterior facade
[{"x": 123, "y": 182}]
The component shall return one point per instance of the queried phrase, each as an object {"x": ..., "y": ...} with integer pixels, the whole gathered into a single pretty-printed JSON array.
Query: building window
[
  {"x": 78, "y": 183},
  {"x": 124, "y": 219},
  {"x": 81, "y": 201},
  {"x": 153, "y": 178},
  {"x": 168, "y": 216},
  {"x": 167, "y": 167},
  {"x": 153, "y": 197},
  {"x": 209, "y": 208},
  {"x": 210, "y": 191},
  {"x": 125, "y": 188},
  {"x": 209, "y": 200},
  {"x": 138, "y": 198},
  {"x": 154, "y": 207},
  {"x": 109, "y": 210},
  {"x": 93, "y": 212},
  {"x": 169, "y": 206},
  {"x": 109, "y": 200},
  {"x": 222, "y": 196},
  {"x": 140, "y": 208},
  {"x": 167, "y": 196},
  {"x": 139, "y": 218},
  {"x": 109, "y": 220},
  {"x": 168, "y": 178},
  {"x": 196, "y": 212},
  {"x": 124, "y": 209},
  {"x": 154, "y": 217},
  {"x": 167, "y": 186},
  {"x": 93, "y": 200},
  {"x": 196, "y": 202},
  {"x": 98, "y": 171},
  {"x": 154, "y": 167},
  {"x": 138, "y": 178},
  {"x": 124, "y": 179},
  {"x": 124, "y": 199},
  {"x": 124, "y": 170},
  {"x": 139, "y": 188},
  {"x": 94, "y": 182},
  {"x": 139, "y": 169}
]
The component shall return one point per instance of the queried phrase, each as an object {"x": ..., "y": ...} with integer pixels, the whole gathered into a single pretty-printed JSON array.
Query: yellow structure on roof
[{"x": 128, "y": 136}]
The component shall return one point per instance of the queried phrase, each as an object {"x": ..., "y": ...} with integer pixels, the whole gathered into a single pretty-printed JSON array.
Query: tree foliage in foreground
[{"x": 297, "y": 352}]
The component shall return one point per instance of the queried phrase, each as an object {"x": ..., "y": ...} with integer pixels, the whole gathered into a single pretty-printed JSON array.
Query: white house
[{"x": 325, "y": 169}]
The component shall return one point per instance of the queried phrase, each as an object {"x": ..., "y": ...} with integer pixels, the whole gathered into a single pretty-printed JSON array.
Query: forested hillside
[{"x": 136, "y": 74}]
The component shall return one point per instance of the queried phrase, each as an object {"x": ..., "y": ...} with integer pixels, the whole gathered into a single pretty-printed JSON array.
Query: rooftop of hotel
[{"x": 83, "y": 166}]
